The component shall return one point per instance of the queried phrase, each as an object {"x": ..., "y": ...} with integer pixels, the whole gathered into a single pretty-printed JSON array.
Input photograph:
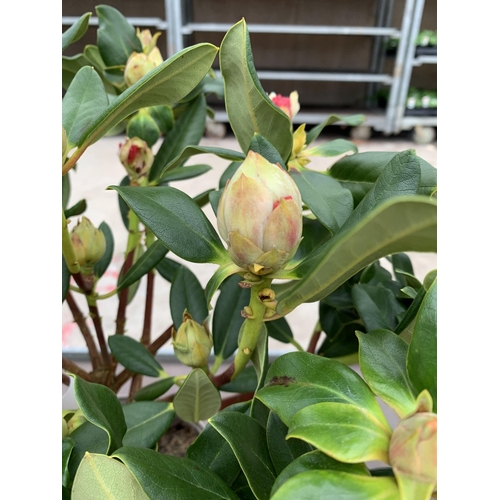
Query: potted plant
[{"x": 307, "y": 424}]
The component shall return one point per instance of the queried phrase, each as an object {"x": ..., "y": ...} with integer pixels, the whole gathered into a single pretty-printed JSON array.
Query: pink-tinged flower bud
[
  {"x": 89, "y": 244},
  {"x": 192, "y": 343},
  {"x": 136, "y": 157},
  {"x": 260, "y": 216},
  {"x": 413, "y": 449},
  {"x": 290, "y": 105}
]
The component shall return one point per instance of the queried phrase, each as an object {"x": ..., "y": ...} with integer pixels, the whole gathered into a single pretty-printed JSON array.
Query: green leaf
[
  {"x": 411, "y": 312},
  {"x": 163, "y": 116},
  {"x": 197, "y": 398},
  {"x": 377, "y": 306},
  {"x": 187, "y": 293},
  {"x": 203, "y": 198},
  {"x": 183, "y": 173},
  {"x": 247, "y": 439},
  {"x": 249, "y": 109},
  {"x": 282, "y": 451},
  {"x": 299, "y": 379},
  {"x": 218, "y": 277},
  {"x": 352, "y": 120},
  {"x": 76, "y": 209},
  {"x": 331, "y": 148},
  {"x": 187, "y": 131},
  {"x": 280, "y": 330},
  {"x": 228, "y": 173},
  {"x": 262, "y": 146},
  {"x": 177, "y": 221},
  {"x": 314, "y": 234},
  {"x": 102, "y": 478},
  {"x": 134, "y": 356},
  {"x": 147, "y": 421},
  {"x": 83, "y": 102},
  {"x": 214, "y": 198},
  {"x": 189, "y": 151},
  {"x": 167, "y": 477},
  {"x": 260, "y": 361},
  {"x": 316, "y": 460},
  {"x": 103, "y": 263},
  {"x": 167, "y": 268},
  {"x": 382, "y": 359},
  {"x": 429, "y": 279},
  {"x": 100, "y": 406},
  {"x": 410, "y": 223},
  {"x": 212, "y": 451},
  {"x": 148, "y": 261},
  {"x": 116, "y": 37},
  {"x": 124, "y": 210},
  {"x": 132, "y": 289},
  {"x": 422, "y": 352},
  {"x": 327, "y": 199},
  {"x": 401, "y": 262},
  {"x": 360, "y": 171},
  {"x": 227, "y": 319},
  {"x": 66, "y": 275},
  {"x": 76, "y": 30},
  {"x": 66, "y": 190},
  {"x": 155, "y": 390},
  {"x": 336, "y": 484},
  {"x": 67, "y": 447},
  {"x": 246, "y": 381}
]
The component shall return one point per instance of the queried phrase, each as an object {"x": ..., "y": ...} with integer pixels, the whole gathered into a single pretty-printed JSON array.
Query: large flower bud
[
  {"x": 192, "y": 343},
  {"x": 260, "y": 216},
  {"x": 290, "y": 105},
  {"x": 136, "y": 157},
  {"x": 89, "y": 244},
  {"x": 144, "y": 126}
]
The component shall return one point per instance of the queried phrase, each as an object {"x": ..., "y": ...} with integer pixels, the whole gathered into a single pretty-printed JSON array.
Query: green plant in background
[{"x": 291, "y": 235}]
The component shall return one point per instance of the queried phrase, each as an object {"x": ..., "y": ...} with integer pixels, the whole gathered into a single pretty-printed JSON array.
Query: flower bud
[
  {"x": 89, "y": 244},
  {"x": 260, "y": 216},
  {"x": 148, "y": 41},
  {"x": 413, "y": 448},
  {"x": 192, "y": 343},
  {"x": 143, "y": 126},
  {"x": 290, "y": 105},
  {"x": 140, "y": 64},
  {"x": 136, "y": 157}
]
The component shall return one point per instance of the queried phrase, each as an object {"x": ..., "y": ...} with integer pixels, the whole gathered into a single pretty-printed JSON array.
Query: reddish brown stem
[
  {"x": 95, "y": 357},
  {"x": 65, "y": 379},
  {"x": 75, "y": 369},
  {"x": 134, "y": 386},
  {"x": 238, "y": 398},
  {"x": 314, "y": 340},
  {"x": 148, "y": 311},
  {"x": 224, "y": 377},
  {"x": 84, "y": 284},
  {"x": 96, "y": 318},
  {"x": 123, "y": 298}
]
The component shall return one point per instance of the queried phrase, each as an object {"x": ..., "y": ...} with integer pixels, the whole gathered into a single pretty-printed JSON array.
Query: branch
[
  {"x": 238, "y": 398},
  {"x": 65, "y": 379},
  {"x": 94, "y": 314},
  {"x": 75, "y": 369},
  {"x": 148, "y": 311},
  {"x": 224, "y": 377},
  {"x": 123, "y": 298},
  {"x": 314, "y": 338},
  {"x": 134, "y": 386}
]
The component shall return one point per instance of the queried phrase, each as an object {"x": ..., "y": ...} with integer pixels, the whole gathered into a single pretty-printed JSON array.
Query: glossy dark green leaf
[
  {"x": 377, "y": 306},
  {"x": 134, "y": 356},
  {"x": 227, "y": 319},
  {"x": 429, "y": 279},
  {"x": 337, "y": 484},
  {"x": 177, "y": 221},
  {"x": 228, "y": 173},
  {"x": 66, "y": 493},
  {"x": 203, "y": 198},
  {"x": 314, "y": 234},
  {"x": 260, "y": 361},
  {"x": 359, "y": 172},
  {"x": 280, "y": 330},
  {"x": 124, "y": 210},
  {"x": 409, "y": 292},
  {"x": 352, "y": 120},
  {"x": 167, "y": 268},
  {"x": 375, "y": 273},
  {"x": 168, "y": 477},
  {"x": 103, "y": 263},
  {"x": 247, "y": 439},
  {"x": 241, "y": 487},
  {"x": 212, "y": 451},
  {"x": 102, "y": 478},
  {"x": 411, "y": 312},
  {"x": 246, "y": 381},
  {"x": 147, "y": 421},
  {"x": 217, "y": 279},
  {"x": 382, "y": 359},
  {"x": 250, "y": 110},
  {"x": 100, "y": 406},
  {"x": 77, "y": 209},
  {"x": 67, "y": 447},
  {"x": 116, "y": 37},
  {"x": 299, "y": 379},
  {"x": 336, "y": 147},
  {"x": 76, "y": 30},
  {"x": 188, "y": 130},
  {"x": 187, "y": 293},
  {"x": 283, "y": 451},
  {"x": 66, "y": 275},
  {"x": 197, "y": 398},
  {"x": 422, "y": 353},
  {"x": 132, "y": 289},
  {"x": 214, "y": 198},
  {"x": 316, "y": 460},
  {"x": 183, "y": 173},
  {"x": 163, "y": 116},
  {"x": 155, "y": 390},
  {"x": 346, "y": 432},
  {"x": 148, "y": 261},
  {"x": 327, "y": 199},
  {"x": 70, "y": 67},
  {"x": 66, "y": 190},
  {"x": 401, "y": 261},
  {"x": 259, "y": 144},
  {"x": 83, "y": 102}
]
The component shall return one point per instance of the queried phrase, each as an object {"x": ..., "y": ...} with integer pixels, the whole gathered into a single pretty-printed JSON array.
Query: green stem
[
  {"x": 217, "y": 362},
  {"x": 251, "y": 328},
  {"x": 297, "y": 345},
  {"x": 107, "y": 295},
  {"x": 67, "y": 248}
]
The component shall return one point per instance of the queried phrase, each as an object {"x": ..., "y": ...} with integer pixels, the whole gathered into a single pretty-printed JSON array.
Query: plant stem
[
  {"x": 75, "y": 369},
  {"x": 134, "y": 386},
  {"x": 297, "y": 345},
  {"x": 148, "y": 310},
  {"x": 67, "y": 248},
  {"x": 224, "y": 377},
  {"x": 96, "y": 318},
  {"x": 65, "y": 379},
  {"x": 107, "y": 295},
  {"x": 95, "y": 357},
  {"x": 314, "y": 338},
  {"x": 238, "y": 398},
  {"x": 161, "y": 340}
]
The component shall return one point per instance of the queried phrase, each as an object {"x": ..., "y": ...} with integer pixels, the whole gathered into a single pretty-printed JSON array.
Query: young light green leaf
[
  {"x": 76, "y": 30},
  {"x": 336, "y": 147},
  {"x": 352, "y": 120},
  {"x": 197, "y": 399},
  {"x": 250, "y": 110},
  {"x": 101, "y": 407},
  {"x": 134, "y": 356},
  {"x": 223, "y": 272}
]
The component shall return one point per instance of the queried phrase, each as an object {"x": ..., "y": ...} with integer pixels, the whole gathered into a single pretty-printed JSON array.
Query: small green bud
[
  {"x": 89, "y": 244},
  {"x": 163, "y": 116},
  {"x": 143, "y": 125},
  {"x": 192, "y": 343},
  {"x": 136, "y": 157}
]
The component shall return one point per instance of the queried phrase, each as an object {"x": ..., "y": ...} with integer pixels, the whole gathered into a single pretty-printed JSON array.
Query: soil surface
[{"x": 177, "y": 439}]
